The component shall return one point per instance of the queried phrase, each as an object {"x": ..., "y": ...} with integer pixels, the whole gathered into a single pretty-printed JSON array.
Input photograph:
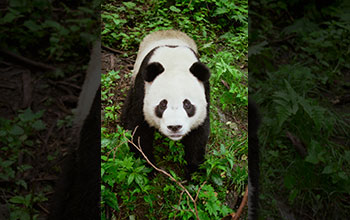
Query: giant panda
[
  {"x": 253, "y": 160},
  {"x": 169, "y": 93}
]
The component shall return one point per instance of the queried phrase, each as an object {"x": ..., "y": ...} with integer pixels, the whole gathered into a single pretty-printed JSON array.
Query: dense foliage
[
  {"x": 299, "y": 67},
  {"x": 58, "y": 34},
  {"x": 220, "y": 30}
]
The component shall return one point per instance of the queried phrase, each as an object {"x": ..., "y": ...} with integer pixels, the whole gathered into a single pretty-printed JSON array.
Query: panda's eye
[
  {"x": 189, "y": 108},
  {"x": 187, "y": 104},
  {"x": 163, "y": 104},
  {"x": 160, "y": 108}
]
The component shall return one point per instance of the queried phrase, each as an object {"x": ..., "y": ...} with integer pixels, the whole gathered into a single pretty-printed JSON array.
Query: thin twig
[
  {"x": 199, "y": 189},
  {"x": 189, "y": 4},
  {"x": 298, "y": 144},
  {"x": 164, "y": 172},
  {"x": 43, "y": 208}
]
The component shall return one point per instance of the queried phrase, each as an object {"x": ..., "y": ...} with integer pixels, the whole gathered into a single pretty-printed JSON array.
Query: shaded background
[
  {"x": 299, "y": 74},
  {"x": 45, "y": 49}
]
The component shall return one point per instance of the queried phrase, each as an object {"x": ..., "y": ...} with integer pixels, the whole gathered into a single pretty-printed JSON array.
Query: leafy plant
[
  {"x": 16, "y": 138},
  {"x": 220, "y": 31},
  {"x": 294, "y": 63}
]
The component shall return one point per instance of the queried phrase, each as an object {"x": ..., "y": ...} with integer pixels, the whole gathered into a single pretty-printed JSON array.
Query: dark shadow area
[
  {"x": 45, "y": 48},
  {"x": 299, "y": 69}
]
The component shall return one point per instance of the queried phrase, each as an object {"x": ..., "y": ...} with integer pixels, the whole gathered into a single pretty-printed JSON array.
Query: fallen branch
[
  {"x": 241, "y": 206},
  {"x": 167, "y": 174},
  {"x": 113, "y": 50},
  {"x": 28, "y": 61}
]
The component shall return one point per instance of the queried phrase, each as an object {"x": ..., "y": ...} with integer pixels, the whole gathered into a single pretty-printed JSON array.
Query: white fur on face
[{"x": 175, "y": 85}]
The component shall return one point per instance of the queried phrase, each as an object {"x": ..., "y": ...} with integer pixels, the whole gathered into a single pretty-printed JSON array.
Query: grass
[{"x": 222, "y": 39}]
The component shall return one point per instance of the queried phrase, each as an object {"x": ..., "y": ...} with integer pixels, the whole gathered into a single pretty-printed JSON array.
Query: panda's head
[{"x": 175, "y": 101}]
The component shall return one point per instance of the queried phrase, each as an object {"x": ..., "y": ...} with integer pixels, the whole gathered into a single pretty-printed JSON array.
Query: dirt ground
[{"x": 112, "y": 60}]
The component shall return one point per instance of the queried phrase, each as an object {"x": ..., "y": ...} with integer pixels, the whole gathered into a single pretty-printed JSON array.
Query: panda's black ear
[
  {"x": 200, "y": 71},
  {"x": 152, "y": 71}
]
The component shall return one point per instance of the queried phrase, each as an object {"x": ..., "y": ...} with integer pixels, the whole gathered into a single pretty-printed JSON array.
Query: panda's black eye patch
[
  {"x": 189, "y": 108},
  {"x": 160, "y": 108}
]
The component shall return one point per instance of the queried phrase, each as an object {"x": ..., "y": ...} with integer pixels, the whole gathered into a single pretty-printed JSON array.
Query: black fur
[
  {"x": 189, "y": 108},
  {"x": 132, "y": 117},
  {"x": 161, "y": 108},
  {"x": 200, "y": 71},
  {"x": 152, "y": 71},
  {"x": 77, "y": 194},
  {"x": 253, "y": 160}
]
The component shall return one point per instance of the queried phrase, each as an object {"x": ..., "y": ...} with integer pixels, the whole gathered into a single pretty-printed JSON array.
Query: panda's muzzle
[
  {"x": 174, "y": 128},
  {"x": 175, "y": 133}
]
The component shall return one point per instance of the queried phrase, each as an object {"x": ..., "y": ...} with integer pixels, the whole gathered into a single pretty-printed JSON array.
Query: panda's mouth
[{"x": 175, "y": 137}]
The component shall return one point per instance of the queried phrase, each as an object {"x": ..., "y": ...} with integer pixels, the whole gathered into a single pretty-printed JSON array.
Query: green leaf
[
  {"x": 52, "y": 24},
  {"x": 22, "y": 183},
  {"x": 139, "y": 180},
  {"x": 220, "y": 11},
  {"x": 256, "y": 49},
  {"x": 203, "y": 215},
  {"x": 8, "y": 18},
  {"x": 347, "y": 155},
  {"x": 6, "y": 163},
  {"x": 16, "y": 130},
  {"x": 31, "y": 25},
  {"x": 129, "y": 5},
  {"x": 27, "y": 115},
  {"x": 39, "y": 125},
  {"x": 139, "y": 169},
  {"x": 343, "y": 175},
  {"x": 212, "y": 207},
  {"x": 217, "y": 179},
  {"x": 292, "y": 195},
  {"x": 222, "y": 149},
  {"x": 21, "y": 214},
  {"x": 17, "y": 199},
  {"x": 312, "y": 157},
  {"x": 328, "y": 169},
  {"x": 131, "y": 178},
  {"x": 110, "y": 198},
  {"x": 173, "y": 174},
  {"x": 174, "y": 9},
  {"x": 3, "y": 133}
]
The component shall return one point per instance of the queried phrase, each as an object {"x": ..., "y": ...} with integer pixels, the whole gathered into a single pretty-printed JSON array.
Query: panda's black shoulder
[{"x": 132, "y": 110}]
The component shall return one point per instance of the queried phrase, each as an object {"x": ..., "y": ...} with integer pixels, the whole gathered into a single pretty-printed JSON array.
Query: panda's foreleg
[
  {"x": 143, "y": 137},
  {"x": 195, "y": 143}
]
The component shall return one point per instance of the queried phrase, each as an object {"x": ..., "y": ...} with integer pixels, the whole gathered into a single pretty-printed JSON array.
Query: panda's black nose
[{"x": 174, "y": 128}]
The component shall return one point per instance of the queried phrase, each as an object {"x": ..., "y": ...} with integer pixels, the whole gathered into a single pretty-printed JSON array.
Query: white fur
[
  {"x": 175, "y": 85},
  {"x": 161, "y": 38}
]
